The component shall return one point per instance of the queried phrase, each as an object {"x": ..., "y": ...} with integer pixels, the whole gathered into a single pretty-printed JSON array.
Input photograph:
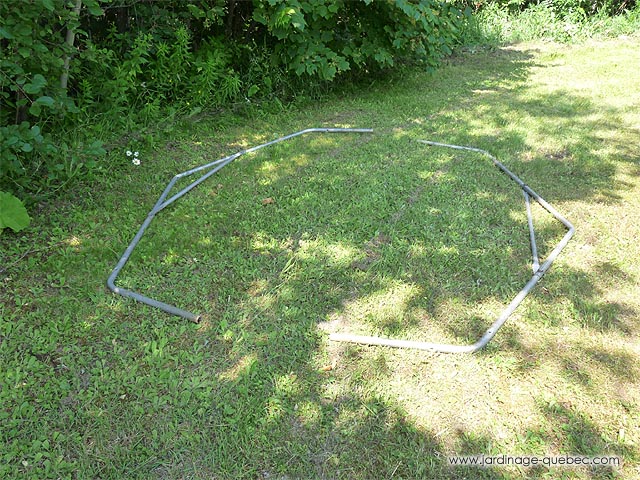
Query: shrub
[
  {"x": 37, "y": 42},
  {"x": 115, "y": 65}
]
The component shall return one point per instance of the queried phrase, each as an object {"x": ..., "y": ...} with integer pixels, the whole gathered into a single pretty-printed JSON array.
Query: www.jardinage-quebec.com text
[{"x": 486, "y": 461}]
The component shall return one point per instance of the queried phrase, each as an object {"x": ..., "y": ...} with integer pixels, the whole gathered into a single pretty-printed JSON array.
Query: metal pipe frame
[
  {"x": 538, "y": 271},
  {"x": 162, "y": 202}
]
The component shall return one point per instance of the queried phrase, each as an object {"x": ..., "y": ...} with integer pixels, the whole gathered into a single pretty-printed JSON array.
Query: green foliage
[
  {"x": 325, "y": 38},
  {"x": 95, "y": 386},
  {"x": 75, "y": 73},
  {"x": 156, "y": 74},
  {"x": 13, "y": 215},
  {"x": 33, "y": 102},
  {"x": 561, "y": 7},
  {"x": 494, "y": 24}
]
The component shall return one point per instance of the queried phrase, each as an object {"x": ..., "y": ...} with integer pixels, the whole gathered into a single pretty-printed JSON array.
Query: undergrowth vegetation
[
  {"x": 77, "y": 74},
  {"x": 570, "y": 21},
  {"x": 80, "y": 77}
]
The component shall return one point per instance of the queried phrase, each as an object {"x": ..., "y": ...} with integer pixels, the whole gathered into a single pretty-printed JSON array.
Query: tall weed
[{"x": 564, "y": 22}]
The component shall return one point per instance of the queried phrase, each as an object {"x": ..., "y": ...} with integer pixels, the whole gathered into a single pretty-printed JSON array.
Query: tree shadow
[
  {"x": 273, "y": 297},
  {"x": 589, "y": 307},
  {"x": 273, "y": 405},
  {"x": 576, "y": 434}
]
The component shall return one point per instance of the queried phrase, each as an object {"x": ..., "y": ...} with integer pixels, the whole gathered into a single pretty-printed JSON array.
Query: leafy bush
[
  {"x": 560, "y": 7},
  {"x": 34, "y": 101},
  {"x": 112, "y": 66},
  {"x": 127, "y": 63},
  {"x": 328, "y": 37}
]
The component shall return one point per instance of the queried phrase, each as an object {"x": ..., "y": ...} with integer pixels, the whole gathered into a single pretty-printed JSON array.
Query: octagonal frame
[{"x": 211, "y": 168}]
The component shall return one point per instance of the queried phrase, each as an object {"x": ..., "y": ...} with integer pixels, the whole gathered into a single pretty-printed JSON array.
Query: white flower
[
  {"x": 135, "y": 154},
  {"x": 129, "y": 153},
  {"x": 136, "y": 161}
]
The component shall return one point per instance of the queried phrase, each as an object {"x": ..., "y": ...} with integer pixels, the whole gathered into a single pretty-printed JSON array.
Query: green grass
[{"x": 369, "y": 233}]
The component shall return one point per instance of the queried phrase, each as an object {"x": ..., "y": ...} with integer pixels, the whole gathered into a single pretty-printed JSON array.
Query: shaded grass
[{"x": 370, "y": 233}]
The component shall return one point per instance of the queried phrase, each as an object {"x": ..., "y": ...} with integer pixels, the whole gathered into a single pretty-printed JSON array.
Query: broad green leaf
[
  {"x": 23, "y": 30},
  {"x": 343, "y": 64},
  {"x": 196, "y": 12},
  {"x": 35, "y": 110},
  {"x": 95, "y": 148},
  {"x": 259, "y": 17},
  {"x": 96, "y": 11},
  {"x": 94, "y": 7},
  {"x": 48, "y": 4},
  {"x": 13, "y": 215},
  {"x": 45, "y": 100},
  {"x": 37, "y": 84},
  {"x": 6, "y": 34},
  {"x": 253, "y": 89},
  {"x": 36, "y": 106},
  {"x": 12, "y": 140},
  {"x": 297, "y": 20}
]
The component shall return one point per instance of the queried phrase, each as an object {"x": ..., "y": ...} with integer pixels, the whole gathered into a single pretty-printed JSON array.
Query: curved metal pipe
[
  {"x": 506, "y": 313},
  {"x": 209, "y": 169}
]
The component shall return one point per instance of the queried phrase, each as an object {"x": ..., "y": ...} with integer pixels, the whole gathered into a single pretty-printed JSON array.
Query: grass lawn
[{"x": 365, "y": 233}]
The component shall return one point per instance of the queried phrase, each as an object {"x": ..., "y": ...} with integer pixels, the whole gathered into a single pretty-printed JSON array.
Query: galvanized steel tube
[
  {"x": 210, "y": 169},
  {"x": 506, "y": 313},
  {"x": 535, "y": 264}
]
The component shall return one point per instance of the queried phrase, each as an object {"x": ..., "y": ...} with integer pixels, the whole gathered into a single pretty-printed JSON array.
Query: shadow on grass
[
  {"x": 270, "y": 297},
  {"x": 252, "y": 392}
]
